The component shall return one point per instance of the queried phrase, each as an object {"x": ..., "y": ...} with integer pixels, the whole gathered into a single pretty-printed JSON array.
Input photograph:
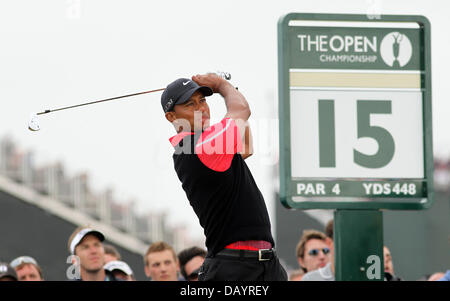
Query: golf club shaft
[
  {"x": 224, "y": 75},
  {"x": 98, "y": 101}
]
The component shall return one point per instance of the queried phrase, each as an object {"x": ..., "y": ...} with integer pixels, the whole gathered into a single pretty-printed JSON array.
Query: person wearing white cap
[
  {"x": 87, "y": 245},
  {"x": 120, "y": 269},
  {"x": 27, "y": 269}
]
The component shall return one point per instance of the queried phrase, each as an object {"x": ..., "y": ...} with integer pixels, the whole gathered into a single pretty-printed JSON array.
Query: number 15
[{"x": 327, "y": 139}]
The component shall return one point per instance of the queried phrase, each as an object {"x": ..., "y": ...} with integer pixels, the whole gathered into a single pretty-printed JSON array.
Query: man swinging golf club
[{"x": 209, "y": 161}]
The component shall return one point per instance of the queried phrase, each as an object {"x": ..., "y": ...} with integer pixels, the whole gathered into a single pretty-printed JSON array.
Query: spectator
[
  {"x": 111, "y": 253},
  {"x": 27, "y": 269},
  {"x": 161, "y": 263},
  {"x": 120, "y": 269},
  {"x": 86, "y": 244},
  {"x": 7, "y": 273},
  {"x": 329, "y": 229},
  {"x": 446, "y": 277},
  {"x": 324, "y": 273},
  {"x": 296, "y": 275},
  {"x": 389, "y": 274},
  {"x": 191, "y": 260},
  {"x": 312, "y": 250},
  {"x": 327, "y": 273},
  {"x": 435, "y": 276}
]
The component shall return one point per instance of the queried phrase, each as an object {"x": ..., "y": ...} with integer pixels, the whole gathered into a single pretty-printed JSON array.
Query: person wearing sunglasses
[
  {"x": 312, "y": 250},
  {"x": 27, "y": 269},
  {"x": 191, "y": 259},
  {"x": 325, "y": 273}
]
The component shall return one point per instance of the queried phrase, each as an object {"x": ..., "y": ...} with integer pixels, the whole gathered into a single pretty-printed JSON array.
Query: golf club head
[
  {"x": 222, "y": 74},
  {"x": 225, "y": 75},
  {"x": 33, "y": 124}
]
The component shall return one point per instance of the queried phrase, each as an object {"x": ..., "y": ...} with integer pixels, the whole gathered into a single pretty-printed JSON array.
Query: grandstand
[{"x": 40, "y": 206}]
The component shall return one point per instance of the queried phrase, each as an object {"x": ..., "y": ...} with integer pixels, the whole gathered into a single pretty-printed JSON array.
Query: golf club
[{"x": 33, "y": 124}]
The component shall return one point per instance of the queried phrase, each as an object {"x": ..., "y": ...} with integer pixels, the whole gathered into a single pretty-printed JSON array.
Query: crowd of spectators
[{"x": 95, "y": 260}]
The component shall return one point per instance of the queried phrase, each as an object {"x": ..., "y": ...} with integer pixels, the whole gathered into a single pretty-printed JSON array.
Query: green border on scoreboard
[{"x": 403, "y": 194}]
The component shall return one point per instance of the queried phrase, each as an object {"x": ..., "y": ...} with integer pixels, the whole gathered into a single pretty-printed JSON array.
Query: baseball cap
[
  {"x": 118, "y": 265},
  {"x": 81, "y": 234},
  {"x": 7, "y": 271},
  {"x": 179, "y": 91}
]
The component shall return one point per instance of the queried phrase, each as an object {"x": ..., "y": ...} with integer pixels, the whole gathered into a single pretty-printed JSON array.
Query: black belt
[{"x": 260, "y": 255}]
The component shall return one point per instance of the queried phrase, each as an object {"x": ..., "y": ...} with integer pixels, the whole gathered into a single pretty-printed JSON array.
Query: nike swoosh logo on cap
[{"x": 185, "y": 83}]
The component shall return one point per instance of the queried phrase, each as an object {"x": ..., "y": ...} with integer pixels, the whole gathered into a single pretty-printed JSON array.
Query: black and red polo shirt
[{"x": 220, "y": 186}]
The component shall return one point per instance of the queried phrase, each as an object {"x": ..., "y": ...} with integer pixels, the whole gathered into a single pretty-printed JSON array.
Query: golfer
[{"x": 209, "y": 161}]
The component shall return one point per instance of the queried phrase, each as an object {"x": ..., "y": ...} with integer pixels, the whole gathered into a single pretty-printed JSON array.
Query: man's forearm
[
  {"x": 239, "y": 110},
  {"x": 237, "y": 105}
]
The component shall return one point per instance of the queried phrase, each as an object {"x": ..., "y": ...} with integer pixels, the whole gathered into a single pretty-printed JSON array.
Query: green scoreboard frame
[{"x": 347, "y": 192}]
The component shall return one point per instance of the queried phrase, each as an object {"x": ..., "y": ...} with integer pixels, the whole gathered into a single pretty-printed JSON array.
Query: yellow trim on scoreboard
[{"x": 355, "y": 80}]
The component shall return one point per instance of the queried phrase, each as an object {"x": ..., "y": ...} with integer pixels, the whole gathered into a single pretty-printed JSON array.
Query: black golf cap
[{"x": 179, "y": 91}]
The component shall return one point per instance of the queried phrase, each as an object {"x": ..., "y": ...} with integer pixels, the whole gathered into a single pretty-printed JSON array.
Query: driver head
[{"x": 33, "y": 124}]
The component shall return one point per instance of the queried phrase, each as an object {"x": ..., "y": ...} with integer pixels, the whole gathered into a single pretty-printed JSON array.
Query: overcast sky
[{"x": 58, "y": 53}]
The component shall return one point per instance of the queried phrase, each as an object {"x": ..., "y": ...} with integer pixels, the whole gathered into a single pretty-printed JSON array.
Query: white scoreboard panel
[{"x": 402, "y": 128}]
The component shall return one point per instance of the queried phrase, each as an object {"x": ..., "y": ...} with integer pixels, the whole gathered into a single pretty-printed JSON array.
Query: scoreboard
[{"x": 355, "y": 112}]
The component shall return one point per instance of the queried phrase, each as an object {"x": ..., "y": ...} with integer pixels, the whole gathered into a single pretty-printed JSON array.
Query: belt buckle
[{"x": 260, "y": 252}]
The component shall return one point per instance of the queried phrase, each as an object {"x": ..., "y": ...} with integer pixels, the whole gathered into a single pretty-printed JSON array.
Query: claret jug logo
[{"x": 396, "y": 49}]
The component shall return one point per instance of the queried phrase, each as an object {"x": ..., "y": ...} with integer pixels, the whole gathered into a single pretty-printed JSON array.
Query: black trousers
[{"x": 220, "y": 268}]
